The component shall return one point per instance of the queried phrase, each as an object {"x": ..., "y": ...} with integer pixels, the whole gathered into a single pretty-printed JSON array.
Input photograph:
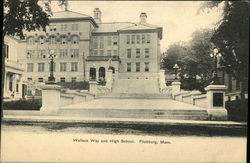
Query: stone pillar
[
  {"x": 194, "y": 93},
  {"x": 109, "y": 79},
  {"x": 93, "y": 87},
  {"x": 176, "y": 88},
  {"x": 162, "y": 79},
  {"x": 216, "y": 102},
  {"x": 50, "y": 99}
]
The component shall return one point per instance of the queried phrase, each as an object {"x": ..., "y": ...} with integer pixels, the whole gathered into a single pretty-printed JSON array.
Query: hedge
[
  {"x": 237, "y": 110},
  {"x": 32, "y": 104}
]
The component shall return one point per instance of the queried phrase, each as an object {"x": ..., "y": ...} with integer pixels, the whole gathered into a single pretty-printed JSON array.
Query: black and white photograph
[{"x": 124, "y": 81}]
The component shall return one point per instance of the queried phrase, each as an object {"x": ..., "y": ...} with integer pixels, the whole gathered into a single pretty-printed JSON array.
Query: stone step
[
  {"x": 136, "y": 113},
  {"x": 135, "y": 96}
]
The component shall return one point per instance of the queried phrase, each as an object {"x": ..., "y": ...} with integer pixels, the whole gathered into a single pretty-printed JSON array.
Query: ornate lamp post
[
  {"x": 176, "y": 67},
  {"x": 215, "y": 56},
  {"x": 52, "y": 55}
]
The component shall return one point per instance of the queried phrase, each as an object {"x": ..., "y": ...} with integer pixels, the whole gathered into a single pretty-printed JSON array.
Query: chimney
[
  {"x": 97, "y": 15},
  {"x": 143, "y": 17}
]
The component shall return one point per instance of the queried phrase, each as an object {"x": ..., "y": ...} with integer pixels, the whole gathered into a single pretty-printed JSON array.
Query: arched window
[
  {"x": 41, "y": 40},
  {"x": 31, "y": 41},
  {"x": 52, "y": 39},
  {"x": 74, "y": 40}
]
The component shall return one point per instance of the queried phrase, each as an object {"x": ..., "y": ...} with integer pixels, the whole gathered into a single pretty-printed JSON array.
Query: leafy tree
[{"x": 231, "y": 37}]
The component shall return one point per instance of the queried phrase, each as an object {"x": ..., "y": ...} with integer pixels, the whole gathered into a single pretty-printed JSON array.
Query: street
[{"x": 89, "y": 144}]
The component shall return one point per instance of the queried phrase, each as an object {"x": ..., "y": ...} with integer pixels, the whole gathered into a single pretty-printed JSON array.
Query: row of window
[
  {"x": 138, "y": 67},
  {"x": 138, "y": 39},
  {"x": 138, "y": 53},
  {"x": 65, "y": 27},
  {"x": 53, "y": 40},
  {"x": 62, "y": 79},
  {"x": 63, "y": 67},
  {"x": 102, "y": 52},
  {"x": 98, "y": 42},
  {"x": 63, "y": 53}
]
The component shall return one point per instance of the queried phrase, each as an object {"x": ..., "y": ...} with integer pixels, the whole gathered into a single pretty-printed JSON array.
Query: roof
[
  {"x": 68, "y": 14},
  {"x": 112, "y": 26}
]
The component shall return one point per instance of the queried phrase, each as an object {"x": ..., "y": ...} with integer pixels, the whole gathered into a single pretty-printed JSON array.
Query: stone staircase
[
  {"x": 180, "y": 114},
  {"x": 136, "y": 86},
  {"x": 134, "y": 96}
]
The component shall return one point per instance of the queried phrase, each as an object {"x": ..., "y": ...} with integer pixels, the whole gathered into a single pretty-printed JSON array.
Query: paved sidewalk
[{"x": 63, "y": 119}]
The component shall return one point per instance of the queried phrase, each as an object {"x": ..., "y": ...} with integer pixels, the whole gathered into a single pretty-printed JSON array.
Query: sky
[{"x": 179, "y": 19}]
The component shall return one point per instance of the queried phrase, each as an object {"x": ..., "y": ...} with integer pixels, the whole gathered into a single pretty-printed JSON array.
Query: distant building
[
  {"x": 14, "y": 88},
  {"x": 86, "y": 48}
]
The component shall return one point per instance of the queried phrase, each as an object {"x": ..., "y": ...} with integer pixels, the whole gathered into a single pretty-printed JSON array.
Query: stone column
[
  {"x": 93, "y": 87},
  {"x": 176, "y": 88},
  {"x": 162, "y": 79},
  {"x": 50, "y": 99},
  {"x": 216, "y": 102},
  {"x": 109, "y": 79}
]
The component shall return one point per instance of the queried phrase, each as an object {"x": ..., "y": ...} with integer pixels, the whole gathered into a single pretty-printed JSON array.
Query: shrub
[
  {"x": 32, "y": 104},
  {"x": 237, "y": 110},
  {"x": 75, "y": 85}
]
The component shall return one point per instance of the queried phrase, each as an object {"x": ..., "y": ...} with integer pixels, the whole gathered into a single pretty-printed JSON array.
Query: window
[
  {"x": 74, "y": 67},
  {"x": 128, "y": 53},
  {"x": 31, "y": 41},
  {"x": 73, "y": 79},
  {"x": 63, "y": 67},
  {"x": 63, "y": 53},
  {"x": 148, "y": 38},
  {"x": 6, "y": 50},
  {"x": 109, "y": 52},
  {"x": 146, "y": 52},
  {"x": 137, "y": 67},
  {"x": 52, "y": 27},
  {"x": 143, "y": 39},
  {"x": 41, "y": 53},
  {"x": 63, "y": 27},
  {"x": 74, "y": 40},
  {"x": 114, "y": 52},
  {"x": 101, "y": 43},
  {"x": 40, "y": 67},
  {"x": 95, "y": 52},
  {"x": 138, "y": 39},
  {"x": 63, "y": 40},
  {"x": 41, "y": 40},
  {"x": 146, "y": 67},
  {"x": 52, "y": 40},
  {"x": 74, "y": 27},
  {"x": 74, "y": 53},
  {"x": 128, "y": 67},
  {"x": 17, "y": 87},
  {"x": 101, "y": 52},
  {"x": 29, "y": 79},
  {"x": 10, "y": 86},
  {"x": 133, "y": 39},
  {"x": 54, "y": 67},
  {"x": 62, "y": 79},
  {"x": 115, "y": 40},
  {"x": 40, "y": 79},
  {"x": 30, "y": 53},
  {"x": 109, "y": 41},
  {"x": 138, "y": 52},
  {"x": 30, "y": 67},
  {"x": 95, "y": 43},
  {"x": 128, "y": 39}
]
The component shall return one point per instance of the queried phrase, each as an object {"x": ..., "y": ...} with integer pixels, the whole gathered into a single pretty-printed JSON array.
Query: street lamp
[
  {"x": 52, "y": 55},
  {"x": 215, "y": 56},
  {"x": 176, "y": 67},
  {"x": 162, "y": 63}
]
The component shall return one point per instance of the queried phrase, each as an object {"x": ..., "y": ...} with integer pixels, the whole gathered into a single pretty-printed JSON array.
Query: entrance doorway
[
  {"x": 92, "y": 73},
  {"x": 102, "y": 72}
]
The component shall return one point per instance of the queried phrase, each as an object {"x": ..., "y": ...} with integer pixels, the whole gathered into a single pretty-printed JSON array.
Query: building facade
[
  {"x": 14, "y": 87},
  {"x": 86, "y": 48}
]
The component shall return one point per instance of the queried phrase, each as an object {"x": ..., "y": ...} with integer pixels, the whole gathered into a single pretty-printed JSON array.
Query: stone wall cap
[
  {"x": 216, "y": 87},
  {"x": 51, "y": 87},
  {"x": 176, "y": 82}
]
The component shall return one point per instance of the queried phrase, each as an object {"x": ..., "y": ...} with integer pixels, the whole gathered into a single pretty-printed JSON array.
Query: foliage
[
  {"x": 232, "y": 37},
  {"x": 75, "y": 85},
  {"x": 33, "y": 104},
  {"x": 237, "y": 110}
]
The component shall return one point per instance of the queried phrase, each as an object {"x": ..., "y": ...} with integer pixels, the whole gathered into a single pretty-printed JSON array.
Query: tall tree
[{"x": 232, "y": 38}]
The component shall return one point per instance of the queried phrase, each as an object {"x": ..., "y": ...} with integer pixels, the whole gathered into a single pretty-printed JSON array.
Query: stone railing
[
  {"x": 213, "y": 100},
  {"x": 53, "y": 98}
]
